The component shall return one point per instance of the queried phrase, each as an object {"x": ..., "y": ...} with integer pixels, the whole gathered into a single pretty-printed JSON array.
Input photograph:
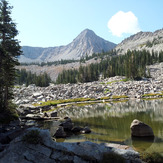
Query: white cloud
[{"x": 123, "y": 22}]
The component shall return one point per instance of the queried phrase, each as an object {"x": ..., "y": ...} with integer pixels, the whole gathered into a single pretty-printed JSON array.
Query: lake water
[{"x": 110, "y": 122}]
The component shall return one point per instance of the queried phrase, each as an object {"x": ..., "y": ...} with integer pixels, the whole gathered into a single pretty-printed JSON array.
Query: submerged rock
[{"x": 140, "y": 129}]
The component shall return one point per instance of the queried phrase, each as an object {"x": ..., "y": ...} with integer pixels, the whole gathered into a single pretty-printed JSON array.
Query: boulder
[
  {"x": 140, "y": 129},
  {"x": 76, "y": 129},
  {"x": 48, "y": 151},
  {"x": 67, "y": 119},
  {"x": 46, "y": 114},
  {"x": 60, "y": 133},
  {"x": 86, "y": 130},
  {"x": 53, "y": 114},
  {"x": 67, "y": 124}
]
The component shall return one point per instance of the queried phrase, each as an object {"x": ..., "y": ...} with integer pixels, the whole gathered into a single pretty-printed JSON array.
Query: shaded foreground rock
[
  {"x": 140, "y": 129},
  {"x": 50, "y": 152}
]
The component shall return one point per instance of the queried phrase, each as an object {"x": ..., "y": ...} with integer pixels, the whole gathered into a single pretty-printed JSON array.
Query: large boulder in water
[{"x": 140, "y": 129}]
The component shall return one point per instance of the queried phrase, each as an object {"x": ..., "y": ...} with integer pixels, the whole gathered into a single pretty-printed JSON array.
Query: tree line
[
  {"x": 132, "y": 65},
  {"x": 60, "y": 62},
  {"x": 27, "y": 78}
]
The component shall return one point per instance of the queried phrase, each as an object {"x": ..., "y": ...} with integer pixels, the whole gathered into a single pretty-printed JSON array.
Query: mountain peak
[
  {"x": 87, "y": 42},
  {"x": 86, "y": 34},
  {"x": 86, "y": 31}
]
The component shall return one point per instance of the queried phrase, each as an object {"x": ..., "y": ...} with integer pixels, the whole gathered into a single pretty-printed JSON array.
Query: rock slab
[{"x": 49, "y": 151}]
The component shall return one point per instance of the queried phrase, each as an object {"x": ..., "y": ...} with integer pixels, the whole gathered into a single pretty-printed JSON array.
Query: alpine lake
[{"x": 110, "y": 123}]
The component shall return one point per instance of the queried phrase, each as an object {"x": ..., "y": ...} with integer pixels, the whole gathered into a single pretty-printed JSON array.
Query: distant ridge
[
  {"x": 142, "y": 40},
  {"x": 87, "y": 42}
]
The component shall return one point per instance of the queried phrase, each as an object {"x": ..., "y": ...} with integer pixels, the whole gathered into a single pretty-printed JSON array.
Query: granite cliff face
[
  {"x": 142, "y": 40},
  {"x": 87, "y": 42}
]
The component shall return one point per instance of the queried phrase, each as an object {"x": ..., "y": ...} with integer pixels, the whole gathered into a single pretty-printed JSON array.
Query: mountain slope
[
  {"x": 142, "y": 40},
  {"x": 87, "y": 42}
]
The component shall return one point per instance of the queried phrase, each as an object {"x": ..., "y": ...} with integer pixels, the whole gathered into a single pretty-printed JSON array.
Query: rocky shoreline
[
  {"x": 43, "y": 149},
  {"x": 110, "y": 87}
]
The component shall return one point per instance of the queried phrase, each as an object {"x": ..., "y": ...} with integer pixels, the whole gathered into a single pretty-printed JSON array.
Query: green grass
[
  {"x": 55, "y": 102},
  {"x": 16, "y": 86},
  {"x": 77, "y": 101},
  {"x": 119, "y": 97},
  {"x": 102, "y": 83},
  {"x": 106, "y": 91},
  {"x": 152, "y": 94},
  {"x": 104, "y": 98},
  {"x": 123, "y": 80}
]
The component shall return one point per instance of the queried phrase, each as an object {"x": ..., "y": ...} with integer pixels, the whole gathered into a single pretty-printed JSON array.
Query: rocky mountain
[
  {"x": 142, "y": 40},
  {"x": 87, "y": 42}
]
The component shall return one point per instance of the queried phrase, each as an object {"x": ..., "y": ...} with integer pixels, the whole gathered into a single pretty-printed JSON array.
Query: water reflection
[
  {"x": 110, "y": 122},
  {"x": 142, "y": 143}
]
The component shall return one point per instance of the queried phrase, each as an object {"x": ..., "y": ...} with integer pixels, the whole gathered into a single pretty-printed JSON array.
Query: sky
[{"x": 49, "y": 23}]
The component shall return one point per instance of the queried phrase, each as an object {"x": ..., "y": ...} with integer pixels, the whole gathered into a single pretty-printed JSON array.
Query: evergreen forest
[
  {"x": 28, "y": 78},
  {"x": 132, "y": 65}
]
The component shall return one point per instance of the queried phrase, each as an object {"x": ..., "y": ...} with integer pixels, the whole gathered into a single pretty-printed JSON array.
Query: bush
[{"x": 32, "y": 137}]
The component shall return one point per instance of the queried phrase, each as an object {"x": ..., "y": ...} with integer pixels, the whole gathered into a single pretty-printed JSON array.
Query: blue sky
[{"x": 45, "y": 23}]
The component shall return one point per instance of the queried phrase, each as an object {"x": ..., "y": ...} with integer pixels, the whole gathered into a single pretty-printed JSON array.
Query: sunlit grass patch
[
  {"x": 78, "y": 101},
  {"x": 106, "y": 91},
  {"x": 119, "y": 97},
  {"x": 104, "y": 98},
  {"x": 56, "y": 102},
  {"x": 115, "y": 81},
  {"x": 152, "y": 94}
]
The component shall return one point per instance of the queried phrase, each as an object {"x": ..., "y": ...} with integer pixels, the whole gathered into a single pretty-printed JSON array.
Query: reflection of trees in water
[
  {"x": 112, "y": 120},
  {"x": 152, "y": 107}
]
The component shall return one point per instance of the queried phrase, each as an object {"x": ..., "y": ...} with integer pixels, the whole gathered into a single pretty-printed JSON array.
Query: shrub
[{"x": 32, "y": 137}]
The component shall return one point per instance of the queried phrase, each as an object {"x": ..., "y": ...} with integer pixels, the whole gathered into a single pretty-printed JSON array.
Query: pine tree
[{"x": 9, "y": 51}]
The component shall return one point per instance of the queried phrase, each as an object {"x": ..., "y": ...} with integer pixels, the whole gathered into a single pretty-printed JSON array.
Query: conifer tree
[{"x": 9, "y": 51}]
